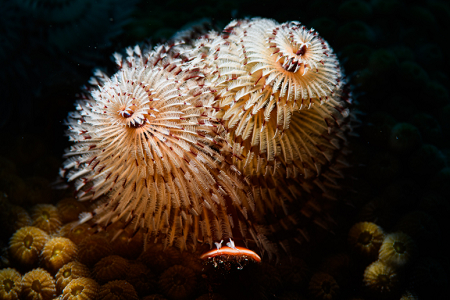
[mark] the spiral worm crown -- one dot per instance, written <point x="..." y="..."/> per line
<point x="145" y="139"/>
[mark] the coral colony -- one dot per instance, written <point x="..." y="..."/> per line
<point x="197" y="142"/>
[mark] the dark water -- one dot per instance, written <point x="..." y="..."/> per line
<point x="395" y="54"/>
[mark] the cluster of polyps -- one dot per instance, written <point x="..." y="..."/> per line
<point x="197" y="143"/>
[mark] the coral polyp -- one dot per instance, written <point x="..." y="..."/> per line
<point x="69" y="209"/>
<point x="69" y="272"/>
<point x="117" y="290"/>
<point x="178" y="282"/>
<point x="141" y="278"/>
<point x="76" y="232"/>
<point x="366" y="238"/>
<point x="381" y="278"/>
<point x="38" y="284"/>
<point x="46" y="217"/>
<point x="57" y="252"/>
<point x="92" y="249"/>
<point x="81" y="289"/>
<point x="110" y="268"/>
<point x="397" y="249"/>
<point x="323" y="286"/>
<point x="157" y="258"/>
<point x="26" y="245"/>
<point x="10" y="284"/>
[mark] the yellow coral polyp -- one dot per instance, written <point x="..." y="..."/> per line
<point x="366" y="238"/>
<point x="69" y="272"/>
<point x="380" y="277"/>
<point x="76" y="232"/>
<point x="323" y="286"/>
<point x="10" y="284"/>
<point x="81" y="289"/>
<point x="57" y="252"/>
<point x="26" y="245"/>
<point x="46" y="217"/>
<point x="397" y="249"/>
<point x="38" y="284"/>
